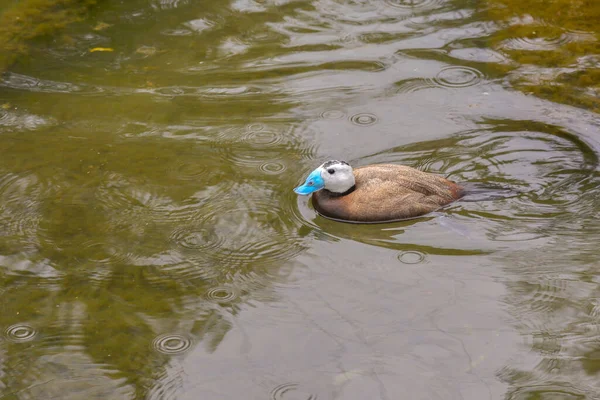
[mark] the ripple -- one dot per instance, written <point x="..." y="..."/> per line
<point x="415" y="4"/>
<point x="189" y="270"/>
<point x="541" y="297"/>
<point x="15" y="120"/>
<point x="332" y="114"/>
<point x="20" y="333"/>
<point x="458" y="77"/>
<point x="172" y="344"/>
<point x="519" y="236"/>
<point x="222" y="294"/>
<point x="176" y="32"/>
<point x="289" y="391"/>
<point x="540" y="43"/>
<point x="240" y="226"/>
<point x="170" y="91"/>
<point x="411" y="257"/>
<point x="97" y="253"/>
<point x="24" y="82"/>
<point x="422" y="87"/>
<point x="415" y="85"/>
<point x="272" y="167"/>
<point x="124" y="200"/>
<point x="191" y="239"/>
<point x="189" y="171"/>
<point x="245" y="158"/>
<point x="167" y="385"/>
<point x="363" y="119"/>
<point x="19" y="215"/>
<point x="255" y="127"/>
<point x="263" y="138"/>
<point x="533" y="391"/>
<point x="257" y="136"/>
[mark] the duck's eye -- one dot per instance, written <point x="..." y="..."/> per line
<point x="310" y="183"/>
<point x="331" y="171"/>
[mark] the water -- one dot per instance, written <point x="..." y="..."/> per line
<point x="152" y="248"/>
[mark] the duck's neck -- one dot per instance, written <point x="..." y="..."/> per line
<point x="338" y="194"/>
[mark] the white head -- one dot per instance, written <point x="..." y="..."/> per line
<point x="335" y="176"/>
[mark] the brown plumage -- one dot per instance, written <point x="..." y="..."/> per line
<point x="388" y="192"/>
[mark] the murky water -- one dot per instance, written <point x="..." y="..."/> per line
<point x="152" y="248"/>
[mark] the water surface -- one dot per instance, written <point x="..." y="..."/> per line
<point x="152" y="248"/>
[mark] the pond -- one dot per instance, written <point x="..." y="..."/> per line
<point x="151" y="246"/>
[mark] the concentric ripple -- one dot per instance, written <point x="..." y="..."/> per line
<point x="172" y="344"/>
<point x="253" y="137"/>
<point x="190" y="171"/>
<point x="544" y="43"/>
<point x="411" y="257"/>
<point x="332" y="114"/>
<point x="458" y="76"/>
<point x="256" y="127"/>
<point x="100" y="253"/>
<point x="272" y="167"/>
<point x="263" y="138"/>
<point x="222" y="294"/>
<point x="363" y="119"/>
<point x="535" y="44"/>
<point x="289" y="391"/>
<point x="20" y="333"/>
<point x="193" y="239"/>
<point x="240" y="226"/>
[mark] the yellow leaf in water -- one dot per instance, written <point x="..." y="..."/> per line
<point x="101" y="49"/>
<point x="101" y="26"/>
<point x="6" y="106"/>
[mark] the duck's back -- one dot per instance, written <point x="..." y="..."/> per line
<point x="388" y="192"/>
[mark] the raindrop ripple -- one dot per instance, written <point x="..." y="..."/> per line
<point x="222" y="294"/>
<point x="411" y="257"/>
<point x="363" y="119"/>
<point x="20" y="333"/>
<point x="458" y="77"/>
<point x="171" y="344"/>
<point x="291" y="390"/>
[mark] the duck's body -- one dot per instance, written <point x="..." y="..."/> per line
<point x="377" y="193"/>
<point x="388" y="192"/>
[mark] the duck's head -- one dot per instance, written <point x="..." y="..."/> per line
<point x="335" y="176"/>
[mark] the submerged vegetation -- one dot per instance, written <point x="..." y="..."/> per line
<point x="556" y="45"/>
<point x="27" y="21"/>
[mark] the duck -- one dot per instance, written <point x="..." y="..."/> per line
<point x="376" y="193"/>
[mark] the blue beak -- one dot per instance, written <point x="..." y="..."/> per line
<point x="313" y="183"/>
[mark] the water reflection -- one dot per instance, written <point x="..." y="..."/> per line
<point x="151" y="246"/>
<point x="142" y="237"/>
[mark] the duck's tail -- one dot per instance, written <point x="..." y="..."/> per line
<point x="476" y="191"/>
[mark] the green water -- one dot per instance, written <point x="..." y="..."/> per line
<point x="151" y="246"/>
